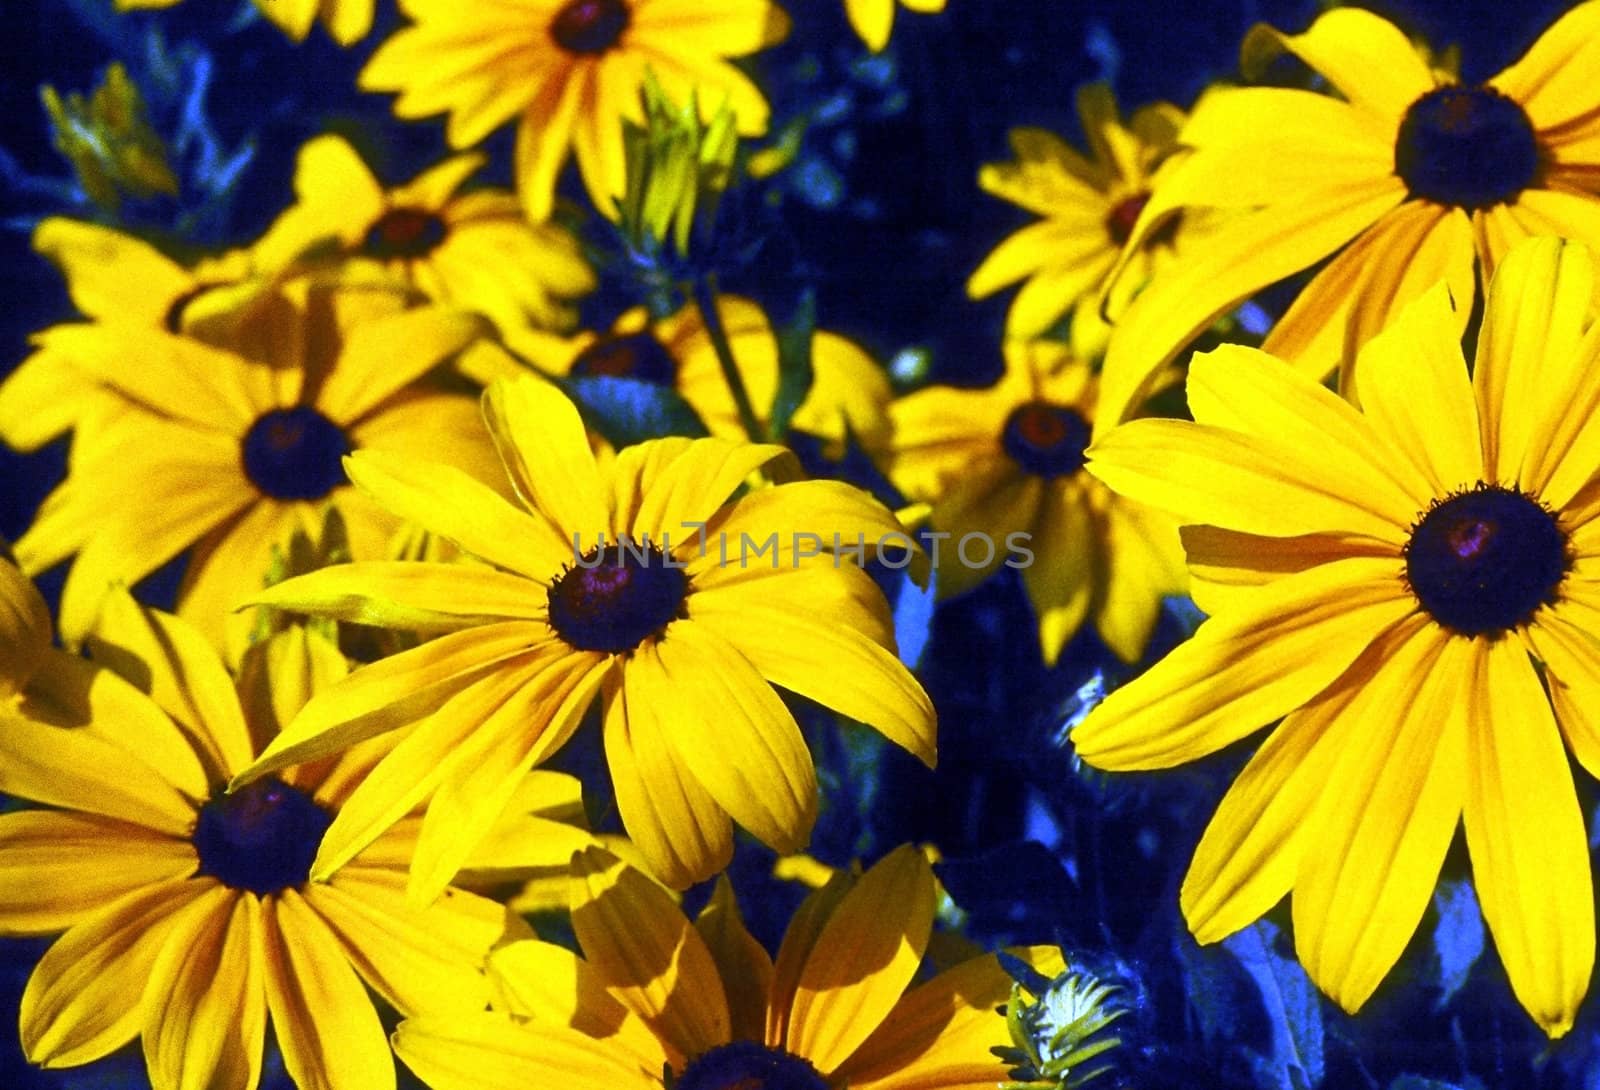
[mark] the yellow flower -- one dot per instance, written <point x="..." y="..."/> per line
<point x="474" y="250"/>
<point x="1090" y="206"/>
<point x="657" y="1001"/>
<point x="112" y="277"/>
<point x="573" y="70"/>
<point x="1405" y="181"/>
<point x="1007" y="460"/>
<point x="849" y="395"/>
<point x="225" y="448"/>
<point x="346" y="21"/>
<point x="874" y="19"/>
<point x="1413" y="588"/>
<point x="683" y="632"/>
<point x="187" y="912"/>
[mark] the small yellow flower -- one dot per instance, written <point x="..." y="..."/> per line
<point x="682" y="631"/>
<point x="848" y="398"/>
<point x="1406" y="179"/>
<point x="1090" y="206"/>
<point x="473" y="250"/>
<point x="1411" y="588"/>
<point x="658" y="1001"/>
<point x="226" y="447"/>
<point x="1008" y="460"/>
<point x="873" y="20"/>
<point x="572" y="70"/>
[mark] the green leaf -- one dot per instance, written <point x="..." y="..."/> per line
<point x="795" y="373"/>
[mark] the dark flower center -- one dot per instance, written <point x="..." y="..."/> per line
<point x="403" y="233"/>
<point x="749" y="1065"/>
<point x="628" y="355"/>
<point x="1470" y="147"/>
<point x="1046" y="440"/>
<point x="262" y="837"/>
<point x="589" y="26"/>
<point x="616" y="596"/>
<point x="1481" y="562"/>
<point x="1120" y="220"/>
<point x="295" y="454"/>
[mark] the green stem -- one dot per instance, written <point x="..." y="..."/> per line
<point x="704" y="290"/>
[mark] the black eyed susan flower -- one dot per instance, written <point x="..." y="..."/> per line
<point x="602" y="581"/>
<point x="346" y="21"/>
<point x="473" y="250"/>
<point x="1090" y="205"/>
<point x="572" y="70"/>
<point x="848" y="398"/>
<point x="873" y="20"/>
<point x="1008" y="460"/>
<point x="227" y="447"/>
<point x="1406" y="180"/>
<point x="189" y="919"/>
<point x="657" y="1001"/>
<point x="1413" y="588"/>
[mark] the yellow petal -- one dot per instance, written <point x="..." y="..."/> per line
<point x="799" y="939"/>
<point x="732" y="732"/>
<point x="1387" y="815"/>
<point x="545" y="448"/>
<point x="82" y="1001"/>
<point x="112" y="276"/>
<point x="1416" y="393"/>
<point x="44" y="396"/>
<point x="1244" y="669"/>
<point x="59" y="868"/>
<point x="863" y="959"/>
<point x="1366" y="57"/>
<point x="421" y="596"/>
<point x="1251" y="251"/>
<point x="1525" y="834"/>
<point x="420" y="960"/>
<point x="205" y="1006"/>
<point x="490" y="1052"/>
<point x="279" y="674"/>
<point x="381" y="356"/>
<point x="676" y="824"/>
<point x="785" y="523"/>
<point x="1228" y="570"/>
<point x="636" y="937"/>
<point x="543" y="138"/>
<point x="1060" y="581"/>
<point x="1548" y="80"/>
<point x="24" y="628"/>
<point x="683" y="492"/>
<point x="1571" y="659"/>
<point x="742" y="962"/>
<point x="324" y="1022"/>
<point x="1144" y="562"/>
<point x="1211" y="475"/>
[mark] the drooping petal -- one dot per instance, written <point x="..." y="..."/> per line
<point x="1525" y="834"/>
<point x="652" y="959"/>
<point x="205" y="1003"/>
<point x="1061" y="580"/>
<point x="742" y="962"/>
<point x="863" y="959"/>
<point x="1366" y="57"/>
<point x="1221" y="685"/>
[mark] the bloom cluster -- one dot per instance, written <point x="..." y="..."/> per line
<point x="510" y="622"/>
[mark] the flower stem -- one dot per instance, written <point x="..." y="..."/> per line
<point x="703" y="288"/>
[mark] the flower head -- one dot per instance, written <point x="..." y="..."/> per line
<point x="1009" y="460"/>
<point x="635" y="580"/>
<point x="657" y="1001"/>
<point x="1407" y="179"/>
<point x="572" y="70"/>
<point x="188" y="913"/>
<point x="1411" y="586"/>
<point x="226" y="445"/>
<point x="473" y="250"/>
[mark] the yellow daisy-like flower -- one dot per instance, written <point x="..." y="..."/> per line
<point x="1413" y="587"/>
<point x="849" y="394"/>
<point x="873" y="20"/>
<point x="1090" y="206"/>
<point x="187" y="912"/>
<point x="1406" y="180"/>
<point x="474" y="249"/>
<point x="683" y="630"/>
<point x="572" y="69"/>
<point x="346" y="21"/>
<point x="1007" y="461"/>
<point x="117" y="278"/>
<point x="227" y="448"/>
<point x="658" y="1001"/>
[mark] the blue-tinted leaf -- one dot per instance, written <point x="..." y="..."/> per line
<point x="1457" y="938"/>
<point x="795" y="373"/>
<point x="628" y="410"/>
<point x="1293" y="1006"/>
